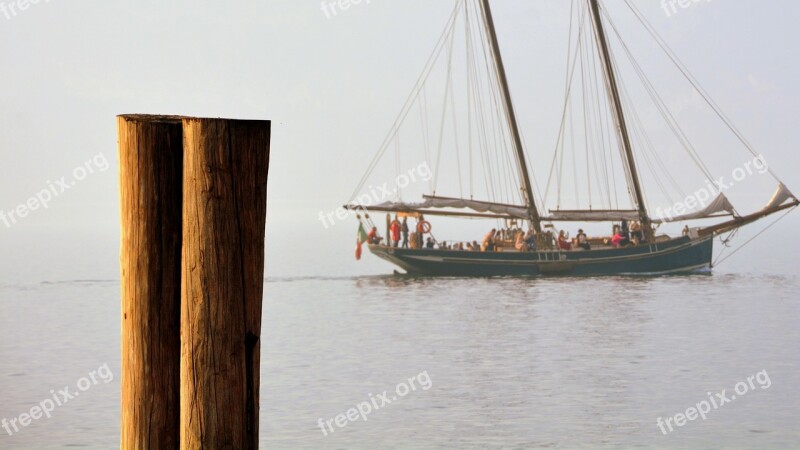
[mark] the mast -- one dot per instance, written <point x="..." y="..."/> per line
<point x="533" y="212"/>
<point x="619" y="115"/>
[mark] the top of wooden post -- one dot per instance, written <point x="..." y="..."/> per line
<point x="177" y="118"/>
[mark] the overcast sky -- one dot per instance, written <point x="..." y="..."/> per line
<point x="333" y="83"/>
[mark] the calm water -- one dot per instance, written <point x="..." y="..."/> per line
<point x="512" y="363"/>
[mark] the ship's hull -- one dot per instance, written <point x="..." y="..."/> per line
<point x="679" y="255"/>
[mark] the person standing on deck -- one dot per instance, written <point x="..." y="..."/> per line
<point x="583" y="241"/>
<point x="619" y="240"/>
<point x="420" y="229"/>
<point x="563" y="242"/>
<point x="404" y="230"/>
<point x="488" y="241"/>
<point x="519" y="244"/>
<point x="530" y="240"/>
<point x="394" y="228"/>
<point x="636" y="231"/>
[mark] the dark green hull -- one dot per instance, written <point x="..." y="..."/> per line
<point x="679" y="255"/>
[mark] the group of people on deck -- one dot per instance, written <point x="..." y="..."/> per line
<point x="624" y="234"/>
<point x="580" y="241"/>
<point x="522" y="241"/>
<point x="396" y="229"/>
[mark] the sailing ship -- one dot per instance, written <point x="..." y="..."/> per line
<point x="655" y="253"/>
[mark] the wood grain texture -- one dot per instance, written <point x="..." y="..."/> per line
<point x="150" y="166"/>
<point x="224" y="216"/>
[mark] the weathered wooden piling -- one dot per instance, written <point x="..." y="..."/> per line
<point x="150" y="172"/>
<point x="193" y="195"/>
<point x="224" y="217"/>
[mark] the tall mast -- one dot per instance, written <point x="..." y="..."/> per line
<point x="533" y="213"/>
<point x="619" y="115"/>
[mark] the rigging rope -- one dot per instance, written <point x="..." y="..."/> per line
<point x="455" y="142"/>
<point x="556" y="165"/>
<point x="470" y="56"/>
<point x="398" y="193"/>
<point x="625" y="162"/>
<point x="584" y="59"/>
<point x="423" y="115"/>
<point x="600" y="130"/>
<point x="479" y="102"/>
<point x="447" y="92"/>
<point x="754" y="237"/>
<point x="695" y="83"/>
<point x="410" y="99"/>
<point x="661" y="106"/>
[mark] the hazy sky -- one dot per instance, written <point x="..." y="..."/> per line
<point x="332" y="84"/>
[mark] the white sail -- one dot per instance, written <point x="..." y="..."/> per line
<point x="518" y="212"/>
<point x="593" y="216"/>
<point x="781" y="195"/>
<point x="721" y="204"/>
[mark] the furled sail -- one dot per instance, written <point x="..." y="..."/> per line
<point x="720" y="205"/>
<point x="592" y="215"/>
<point x="519" y="212"/>
<point x="779" y="197"/>
<point x="430" y="202"/>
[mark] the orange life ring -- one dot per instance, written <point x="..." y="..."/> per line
<point x="425" y="227"/>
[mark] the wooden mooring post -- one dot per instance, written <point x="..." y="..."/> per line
<point x="223" y="191"/>
<point x="151" y="184"/>
<point x="224" y="213"/>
